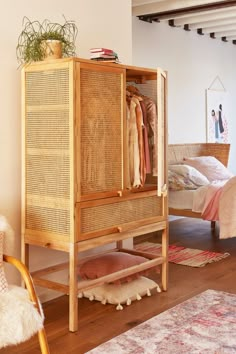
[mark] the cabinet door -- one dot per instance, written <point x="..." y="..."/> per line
<point x="47" y="186"/>
<point x="100" y="125"/>
<point x="161" y="133"/>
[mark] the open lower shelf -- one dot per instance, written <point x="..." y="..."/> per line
<point x="152" y="262"/>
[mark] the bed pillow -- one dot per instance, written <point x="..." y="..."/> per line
<point x="110" y="263"/>
<point x="210" y="167"/>
<point x="3" y="281"/>
<point x="177" y="182"/>
<point x="121" y="293"/>
<point x="190" y="172"/>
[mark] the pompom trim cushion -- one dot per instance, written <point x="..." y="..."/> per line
<point x="118" y="294"/>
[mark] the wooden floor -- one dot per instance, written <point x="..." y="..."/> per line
<point x="99" y="323"/>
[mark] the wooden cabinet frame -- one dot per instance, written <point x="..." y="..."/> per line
<point x="55" y="212"/>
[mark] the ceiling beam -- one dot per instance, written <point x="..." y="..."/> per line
<point x="187" y="10"/>
<point x="216" y="22"/>
<point x="232" y="37"/>
<point x="149" y="7"/>
<point x="210" y="16"/>
<point x="225" y="34"/>
<point x="216" y="29"/>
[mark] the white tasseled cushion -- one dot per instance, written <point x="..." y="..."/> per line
<point x="125" y="293"/>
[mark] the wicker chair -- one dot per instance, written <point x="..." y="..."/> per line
<point x="20" y="311"/>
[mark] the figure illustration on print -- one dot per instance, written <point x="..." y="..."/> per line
<point x="217" y="122"/>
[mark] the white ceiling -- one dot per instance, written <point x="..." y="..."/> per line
<point x="213" y="18"/>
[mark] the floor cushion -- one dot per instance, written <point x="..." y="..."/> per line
<point x="118" y="294"/>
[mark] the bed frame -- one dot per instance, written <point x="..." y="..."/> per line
<point x="177" y="152"/>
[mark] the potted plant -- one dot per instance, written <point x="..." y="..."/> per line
<point x="39" y="40"/>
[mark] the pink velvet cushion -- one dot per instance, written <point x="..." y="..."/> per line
<point x="109" y="263"/>
<point x="210" y="167"/>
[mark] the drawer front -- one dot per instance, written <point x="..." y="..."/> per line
<point x="102" y="219"/>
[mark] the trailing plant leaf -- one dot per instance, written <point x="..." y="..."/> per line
<point x="29" y="47"/>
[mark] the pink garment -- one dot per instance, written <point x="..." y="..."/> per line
<point x="152" y="129"/>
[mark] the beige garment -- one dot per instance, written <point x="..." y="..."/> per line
<point x="140" y="126"/>
<point x="127" y="150"/>
<point x="133" y="147"/>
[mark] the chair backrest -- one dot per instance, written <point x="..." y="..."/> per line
<point x="3" y="281"/>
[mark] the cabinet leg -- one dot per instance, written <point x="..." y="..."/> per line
<point x="73" y="298"/>
<point x="119" y="244"/>
<point x="164" y="268"/>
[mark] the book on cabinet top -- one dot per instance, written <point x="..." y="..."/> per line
<point x="105" y="50"/>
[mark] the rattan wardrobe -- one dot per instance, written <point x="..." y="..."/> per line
<point x="74" y="195"/>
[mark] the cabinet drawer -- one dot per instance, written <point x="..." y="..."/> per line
<point x="116" y="215"/>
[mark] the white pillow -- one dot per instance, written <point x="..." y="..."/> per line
<point x="190" y="172"/>
<point x="210" y="167"/>
<point x="118" y="294"/>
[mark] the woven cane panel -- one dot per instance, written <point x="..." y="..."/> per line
<point x="101" y="132"/>
<point x="48" y="129"/>
<point x="48" y="175"/>
<point x="112" y="215"/>
<point x="49" y="87"/>
<point x="48" y="219"/>
<point x="47" y="160"/>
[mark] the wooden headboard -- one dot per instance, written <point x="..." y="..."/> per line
<point x="176" y="152"/>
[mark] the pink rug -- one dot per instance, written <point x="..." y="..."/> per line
<point x="204" y="324"/>
<point x="182" y="255"/>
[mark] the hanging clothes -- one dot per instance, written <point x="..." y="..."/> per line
<point x="141" y="137"/>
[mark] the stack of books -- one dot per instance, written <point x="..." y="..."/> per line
<point x="104" y="54"/>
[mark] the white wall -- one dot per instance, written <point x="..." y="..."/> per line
<point x="104" y="23"/>
<point x="192" y="62"/>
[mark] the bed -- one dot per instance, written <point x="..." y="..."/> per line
<point x="181" y="202"/>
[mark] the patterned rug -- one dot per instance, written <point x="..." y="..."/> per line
<point x="204" y="324"/>
<point x="184" y="256"/>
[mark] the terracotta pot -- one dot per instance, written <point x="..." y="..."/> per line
<point x="52" y="49"/>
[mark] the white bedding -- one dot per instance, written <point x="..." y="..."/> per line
<point x="181" y="199"/>
<point x="188" y="199"/>
<point x="216" y="202"/>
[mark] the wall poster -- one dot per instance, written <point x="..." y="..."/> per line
<point x="217" y="116"/>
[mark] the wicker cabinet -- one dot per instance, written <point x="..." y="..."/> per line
<point x="75" y="180"/>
